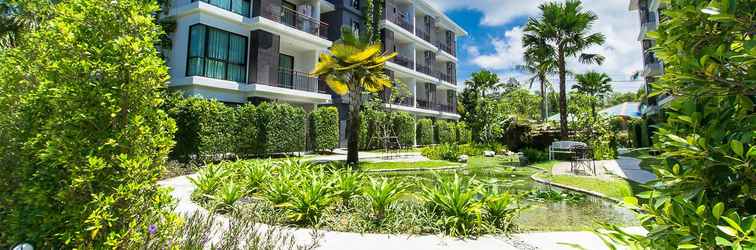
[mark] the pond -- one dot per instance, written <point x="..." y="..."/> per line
<point x="579" y="213"/>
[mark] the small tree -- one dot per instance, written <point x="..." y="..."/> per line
<point x="563" y="28"/>
<point x="354" y="65"/>
<point x="594" y="84"/>
<point x="84" y="139"/>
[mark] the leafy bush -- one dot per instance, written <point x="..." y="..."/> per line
<point x="224" y="199"/>
<point x="206" y="129"/>
<point x="448" y="152"/>
<point x="501" y="211"/>
<point x="464" y="135"/>
<point x="310" y="197"/>
<point x="535" y="155"/>
<point x="704" y="195"/>
<point x="404" y="127"/>
<point x="83" y="136"/>
<point x="348" y="184"/>
<point x="382" y="194"/>
<point x="455" y="202"/>
<point x="281" y="128"/>
<point x="208" y="180"/>
<point x="254" y="175"/>
<point x="446" y="132"/>
<point x="247" y="135"/>
<point x="424" y="132"/>
<point x="325" y="123"/>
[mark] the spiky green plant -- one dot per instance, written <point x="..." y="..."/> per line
<point x="224" y="199"/>
<point x="382" y="193"/>
<point x="254" y="174"/>
<point x="501" y="210"/>
<point x="348" y="184"/>
<point x="278" y="190"/>
<point x="455" y="202"/>
<point x="309" y="199"/>
<point x="208" y="180"/>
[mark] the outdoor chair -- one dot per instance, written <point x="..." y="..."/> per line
<point x="563" y="147"/>
<point x="581" y="158"/>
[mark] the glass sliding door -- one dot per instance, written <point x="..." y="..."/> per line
<point x="286" y="71"/>
<point x="215" y="53"/>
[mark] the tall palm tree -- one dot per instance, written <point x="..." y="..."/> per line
<point x="564" y="26"/>
<point x="539" y="61"/>
<point x="594" y="84"/>
<point x="483" y="81"/>
<point x="354" y="65"/>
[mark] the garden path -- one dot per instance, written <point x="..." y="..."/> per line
<point x="341" y="155"/>
<point x="625" y="167"/>
<point x="183" y="188"/>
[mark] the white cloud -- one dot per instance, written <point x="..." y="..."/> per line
<point x="620" y="26"/>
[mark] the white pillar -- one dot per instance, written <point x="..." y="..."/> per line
<point x="316" y="9"/>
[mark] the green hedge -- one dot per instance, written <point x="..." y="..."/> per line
<point x="446" y="132"/>
<point x="206" y="129"/>
<point x="325" y="128"/>
<point x="404" y="127"/>
<point x="424" y="132"/>
<point x="464" y="135"/>
<point x="247" y="130"/>
<point x="281" y="128"/>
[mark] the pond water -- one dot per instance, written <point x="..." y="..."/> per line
<point x="543" y="214"/>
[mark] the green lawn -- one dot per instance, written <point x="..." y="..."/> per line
<point x="616" y="188"/>
<point x="406" y="165"/>
<point x="490" y="162"/>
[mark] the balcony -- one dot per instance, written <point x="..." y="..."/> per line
<point x="446" y="47"/>
<point x="290" y="79"/>
<point x="302" y="22"/>
<point x="424" y="35"/>
<point x="423" y="104"/>
<point x="647" y="26"/>
<point x="446" y="108"/>
<point x="406" y="62"/>
<point x="425" y="69"/>
<point x="401" y="19"/>
<point x="443" y="76"/>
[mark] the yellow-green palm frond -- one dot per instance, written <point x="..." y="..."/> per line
<point x="365" y="54"/>
<point x="325" y="65"/>
<point x="337" y="85"/>
<point x="350" y="66"/>
<point x="343" y="51"/>
<point x="369" y="86"/>
<point x="376" y="82"/>
<point x="383" y="59"/>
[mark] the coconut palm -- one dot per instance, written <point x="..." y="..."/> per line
<point x="539" y="61"/>
<point x="354" y="65"/>
<point x="594" y="84"/>
<point x="564" y="26"/>
<point x="483" y="81"/>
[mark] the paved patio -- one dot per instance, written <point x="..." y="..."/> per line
<point x="625" y="167"/>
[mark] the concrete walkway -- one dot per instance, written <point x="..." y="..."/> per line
<point x="182" y="190"/>
<point x="341" y="155"/>
<point x="624" y="167"/>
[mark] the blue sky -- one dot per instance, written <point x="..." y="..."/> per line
<point x="495" y="31"/>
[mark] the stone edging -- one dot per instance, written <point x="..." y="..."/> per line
<point x="413" y="169"/>
<point x="576" y="189"/>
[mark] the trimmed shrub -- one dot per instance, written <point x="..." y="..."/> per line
<point x="84" y="138"/>
<point x="464" y="135"/>
<point x="206" y="129"/>
<point x="281" y="128"/>
<point x="404" y="127"/>
<point x="247" y="130"/>
<point x="535" y="155"/>
<point x="446" y="132"/>
<point x="424" y="132"/>
<point x="325" y="128"/>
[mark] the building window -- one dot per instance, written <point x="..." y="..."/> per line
<point x="286" y="70"/>
<point x="216" y="54"/>
<point x="240" y="7"/>
<point x="356" y="4"/>
<point x="356" y="27"/>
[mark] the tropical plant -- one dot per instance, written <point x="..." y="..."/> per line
<point x="382" y="193"/>
<point x="224" y="199"/>
<point x="500" y="211"/>
<point x="309" y="199"/>
<point x="704" y="195"/>
<point x="478" y="104"/>
<point x="348" y="185"/>
<point x="563" y="28"/>
<point x="539" y="61"/>
<point x="278" y="191"/>
<point x="354" y="65"/>
<point x="21" y="17"/>
<point x="593" y="84"/>
<point x="455" y="202"/>
<point x="208" y="180"/>
<point x="254" y="175"/>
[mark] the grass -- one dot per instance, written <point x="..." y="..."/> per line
<point x="613" y="187"/>
<point x="406" y="165"/>
<point x="492" y="162"/>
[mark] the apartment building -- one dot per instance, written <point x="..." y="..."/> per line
<point x="240" y="51"/>
<point x="650" y="13"/>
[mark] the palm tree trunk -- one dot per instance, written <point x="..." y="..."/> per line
<point x="353" y="123"/>
<point x="543" y="99"/>
<point x="562" y="96"/>
<point x="593" y="110"/>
